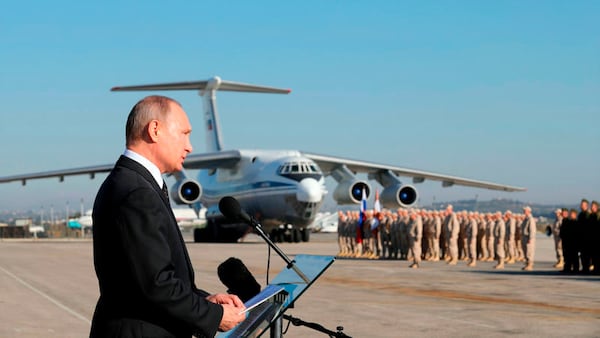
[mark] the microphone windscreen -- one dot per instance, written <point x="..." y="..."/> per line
<point x="230" y="207"/>
<point x="238" y="279"/>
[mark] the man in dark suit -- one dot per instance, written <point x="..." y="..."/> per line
<point x="144" y="272"/>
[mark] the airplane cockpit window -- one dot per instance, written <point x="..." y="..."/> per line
<point x="299" y="170"/>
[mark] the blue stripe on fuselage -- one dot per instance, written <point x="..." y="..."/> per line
<point x="246" y="187"/>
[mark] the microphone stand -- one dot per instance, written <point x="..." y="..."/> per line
<point x="317" y="327"/>
<point x="290" y="263"/>
<point x="277" y="325"/>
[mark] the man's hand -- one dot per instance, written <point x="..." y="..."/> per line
<point x="223" y="298"/>
<point x="232" y="316"/>
<point x="232" y="308"/>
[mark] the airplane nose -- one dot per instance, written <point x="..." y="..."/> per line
<point x="309" y="190"/>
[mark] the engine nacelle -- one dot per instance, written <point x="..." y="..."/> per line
<point x="350" y="191"/>
<point x="186" y="191"/>
<point x="398" y="195"/>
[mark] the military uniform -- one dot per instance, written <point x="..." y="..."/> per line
<point x="528" y="232"/>
<point x="415" y="233"/>
<point x="341" y="228"/>
<point x="385" y="234"/>
<point x="452" y="230"/>
<point x="471" y="233"/>
<point x="489" y="237"/>
<point x="394" y="243"/>
<point x="481" y="242"/>
<point x="499" y="235"/>
<point x="437" y="226"/>
<point x="518" y="239"/>
<point x="404" y="235"/>
<point x="557" y="241"/>
<point x="463" y="220"/>
<point x="511" y="228"/>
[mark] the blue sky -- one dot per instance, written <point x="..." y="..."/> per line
<point x="500" y="91"/>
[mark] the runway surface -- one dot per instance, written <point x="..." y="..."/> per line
<point x="48" y="288"/>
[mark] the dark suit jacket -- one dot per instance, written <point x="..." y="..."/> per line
<point x="144" y="272"/>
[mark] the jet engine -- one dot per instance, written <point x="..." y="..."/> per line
<point x="350" y="191"/>
<point x="398" y="195"/>
<point x="186" y="191"/>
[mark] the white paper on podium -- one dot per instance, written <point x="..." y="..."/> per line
<point x="268" y="292"/>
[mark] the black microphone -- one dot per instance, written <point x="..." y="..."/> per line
<point x="238" y="279"/>
<point x="231" y="209"/>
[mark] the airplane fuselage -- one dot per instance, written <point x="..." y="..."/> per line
<point x="274" y="187"/>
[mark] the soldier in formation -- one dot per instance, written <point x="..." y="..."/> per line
<point x="433" y="235"/>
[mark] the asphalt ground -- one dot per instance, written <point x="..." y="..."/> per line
<point x="48" y="289"/>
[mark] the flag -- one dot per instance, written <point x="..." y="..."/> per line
<point x="377" y="210"/>
<point x="377" y="205"/>
<point x="363" y="208"/>
<point x="361" y="218"/>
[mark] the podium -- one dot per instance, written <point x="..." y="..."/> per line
<point x="285" y="289"/>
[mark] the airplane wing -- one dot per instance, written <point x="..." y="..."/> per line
<point x="330" y="163"/>
<point x="222" y="159"/>
<point x="92" y="171"/>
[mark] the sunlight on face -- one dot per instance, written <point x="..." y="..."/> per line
<point x="175" y="143"/>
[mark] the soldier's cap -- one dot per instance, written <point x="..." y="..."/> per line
<point x="508" y="212"/>
<point x="527" y="208"/>
<point x="595" y="203"/>
<point x="584" y="200"/>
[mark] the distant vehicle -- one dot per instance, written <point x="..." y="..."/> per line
<point x="277" y="187"/>
<point x="37" y="231"/>
<point x="325" y="222"/>
<point x="188" y="217"/>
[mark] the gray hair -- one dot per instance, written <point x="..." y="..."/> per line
<point x="154" y="107"/>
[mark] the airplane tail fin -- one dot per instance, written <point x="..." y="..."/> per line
<point x="208" y="89"/>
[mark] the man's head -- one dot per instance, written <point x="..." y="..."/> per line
<point x="584" y="204"/>
<point x="573" y="214"/>
<point x="527" y="210"/>
<point x="158" y="129"/>
<point x="594" y="207"/>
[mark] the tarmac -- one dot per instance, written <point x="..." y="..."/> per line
<point x="48" y="288"/>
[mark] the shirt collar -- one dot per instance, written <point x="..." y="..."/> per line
<point x="151" y="167"/>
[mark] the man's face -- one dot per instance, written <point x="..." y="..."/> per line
<point x="175" y="140"/>
<point x="584" y="206"/>
<point x="594" y="208"/>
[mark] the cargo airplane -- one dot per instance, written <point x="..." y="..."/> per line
<point x="277" y="187"/>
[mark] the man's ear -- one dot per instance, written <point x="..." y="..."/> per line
<point x="153" y="130"/>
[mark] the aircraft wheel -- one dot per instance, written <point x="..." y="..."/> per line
<point x="296" y="235"/>
<point x="286" y="235"/>
<point x="305" y="235"/>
